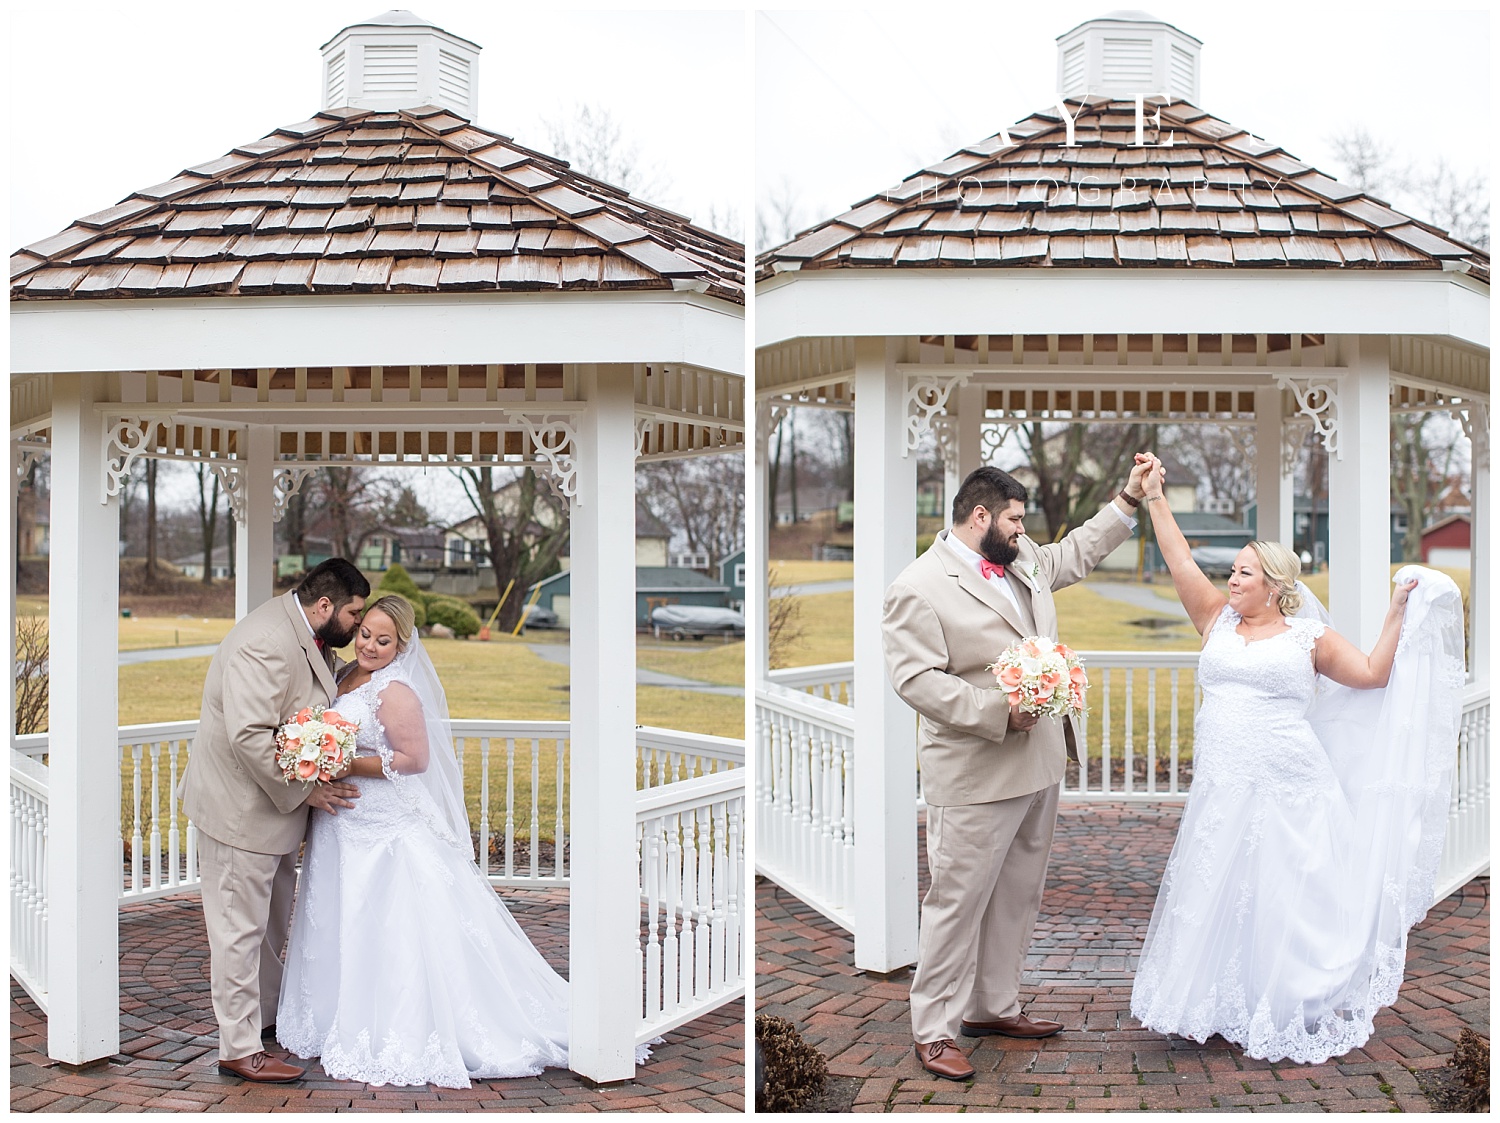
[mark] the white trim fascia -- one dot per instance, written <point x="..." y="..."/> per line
<point x="357" y="329"/>
<point x="827" y="303"/>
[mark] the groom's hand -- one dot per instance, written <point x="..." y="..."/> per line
<point x="1135" y="487"/>
<point x="331" y="796"/>
<point x="1021" y="722"/>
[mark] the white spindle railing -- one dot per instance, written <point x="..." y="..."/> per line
<point x="28" y="875"/>
<point x="1466" y="850"/>
<point x="804" y="784"/>
<point x="527" y="811"/>
<point x="833" y="682"/>
<point x="667" y="756"/>
<point x="1141" y="707"/>
<point x="690" y="842"/>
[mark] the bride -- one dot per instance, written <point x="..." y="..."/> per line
<point x="1310" y="841"/>
<point x="403" y="967"/>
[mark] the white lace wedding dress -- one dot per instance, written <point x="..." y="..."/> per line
<point x="403" y="967"/>
<point x="1310" y="840"/>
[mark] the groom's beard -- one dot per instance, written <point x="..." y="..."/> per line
<point x="997" y="549"/>
<point x="333" y="636"/>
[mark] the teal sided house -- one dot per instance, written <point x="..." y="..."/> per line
<point x="732" y="577"/>
<point x="654" y="586"/>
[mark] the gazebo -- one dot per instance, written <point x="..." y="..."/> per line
<point x="383" y="284"/>
<point x="1123" y="256"/>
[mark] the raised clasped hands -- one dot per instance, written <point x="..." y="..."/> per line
<point x="1153" y="474"/>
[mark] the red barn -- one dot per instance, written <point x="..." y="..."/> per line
<point x="1446" y="542"/>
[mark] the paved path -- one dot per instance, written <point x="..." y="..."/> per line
<point x="812" y="589"/>
<point x="159" y="654"/>
<point x="169" y="1042"/>
<point x="562" y="653"/>
<point x="1140" y="597"/>
<point x="1106" y="866"/>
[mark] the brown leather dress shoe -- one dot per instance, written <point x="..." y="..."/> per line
<point x="1019" y="1026"/>
<point x="943" y="1058"/>
<point x="262" y="1069"/>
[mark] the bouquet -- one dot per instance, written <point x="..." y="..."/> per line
<point x="314" y="744"/>
<point x="1042" y="676"/>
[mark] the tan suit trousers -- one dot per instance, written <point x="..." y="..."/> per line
<point x="247" y="908"/>
<point x="988" y="863"/>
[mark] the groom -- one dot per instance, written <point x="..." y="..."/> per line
<point x="990" y="774"/>
<point x="250" y="822"/>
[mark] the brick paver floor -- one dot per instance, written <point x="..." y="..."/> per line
<point x="1106" y="864"/>
<point x="169" y="1046"/>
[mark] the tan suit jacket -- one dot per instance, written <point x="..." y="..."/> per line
<point x="944" y="624"/>
<point x="267" y="668"/>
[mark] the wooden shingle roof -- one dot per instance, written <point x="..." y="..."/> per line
<point x="352" y="200"/>
<point x="1216" y="197"/>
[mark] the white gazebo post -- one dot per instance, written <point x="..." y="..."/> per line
<point x="255" y="547"/>
<point x="966" y="424"/>
<point x="768" y="417"/>
<point x="1477" y="417"/>
<point x="1273" y="477"/>
<point x="83" y="849"/>
<point x="605" y="903"/>
<point x="885" y="750"/>
<point x="1359" y="515"/>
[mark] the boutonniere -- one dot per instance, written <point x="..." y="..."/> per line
<point x="1036" y="572"/>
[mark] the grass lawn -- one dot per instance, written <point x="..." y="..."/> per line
<point x="722" y="664"/>
<point x="137" y="633"/>
<point x="807" y="572"/>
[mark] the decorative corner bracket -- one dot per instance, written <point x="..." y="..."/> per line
<point x="554" y="438"/>
<point x="1318" y="400"/>
<point x="126" y="440"/>
<point x="768" y="418"/>
<point x="926" y="398"/>
<point x="1475" y="418"/>
<point x="285" y="483"/>
<point x="231" y="475"/>
<point x="642" y="427"/>
<point x="993" y="435"/>
<point x="945" y="428"/>
<point x="1294" y="432"/>
<point x="24" y="454"/>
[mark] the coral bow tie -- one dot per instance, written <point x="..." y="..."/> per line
<point x="986" y="568"/>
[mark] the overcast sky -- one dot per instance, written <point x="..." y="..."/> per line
<point x="108" y="99"/>
<point x="849" y="103"/>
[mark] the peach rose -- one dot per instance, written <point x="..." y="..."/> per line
<point x="1051" y="679"/>
<point x="1065" y="651"/>
<point x="1044" y="693"/>
<point x="325" y="776"/>
<point x="307" y="769"/>
<point x="1077" y="676"/>
<point x="304" y="714"/>
<point x="1030" y="648"/>
<point x="1010" y="677"/>
<point x="332" y="716"/>
<point x="1014" y="699"/>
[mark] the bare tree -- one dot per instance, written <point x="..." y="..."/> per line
<point x="590" y="140"/>
<point x="783" y="621"/>
<point x="1424" y="455"/>
<point x="1079" y="468"/>
<point x="777" y="216"/>
<point x="152" y="572"/>
<point x="704" y="497"/>
<point x="1222" y="459"/>
<point x="1432" y="191"/>
<point x="525" y="525"/>
<point x="208" y="516"/>
<point x="31" y="675"/>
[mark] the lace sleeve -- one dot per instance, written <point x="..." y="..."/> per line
<point x="403" y="738"/>
<point x="1306" y="631"/>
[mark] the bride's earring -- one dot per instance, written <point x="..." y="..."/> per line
<point x="1270" y="598"/>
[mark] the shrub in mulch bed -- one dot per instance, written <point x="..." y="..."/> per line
<point x="794" y="1070"/>
<point x="1464" y="1085"/>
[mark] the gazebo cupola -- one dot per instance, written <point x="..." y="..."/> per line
<point x="399" y="61"/>
<point x="1125" y="54"/>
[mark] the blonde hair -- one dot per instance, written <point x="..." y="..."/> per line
<point x="398" y="611"/>
<point x="1282" y="568"/>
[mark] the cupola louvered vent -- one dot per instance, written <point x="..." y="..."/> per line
<point x="1126" y="55"/>
<point x="390" y="70"/>
<point x="400" y="61"/>
<point x="336" y="91"/>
